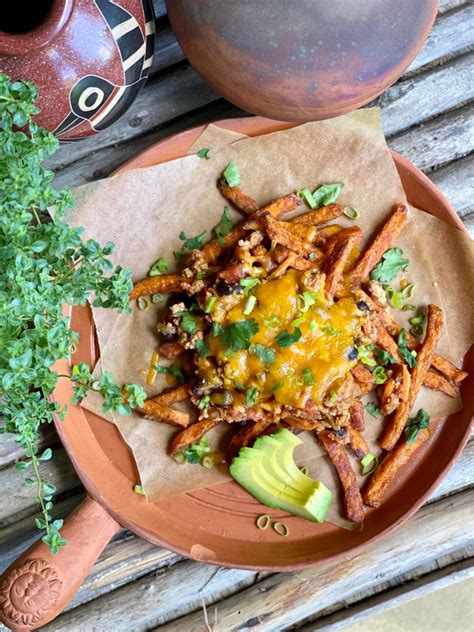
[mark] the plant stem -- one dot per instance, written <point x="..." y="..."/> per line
<point x="39" y="483"/>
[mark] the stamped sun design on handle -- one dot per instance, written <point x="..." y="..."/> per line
<point x="29" y="591"/>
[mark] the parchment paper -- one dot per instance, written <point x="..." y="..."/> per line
<point x="143" y="212"/>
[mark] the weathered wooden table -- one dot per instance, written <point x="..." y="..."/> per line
<point x="427" y="117"/>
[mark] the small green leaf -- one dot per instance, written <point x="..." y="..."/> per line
<point x="372" y="409"/>
<point x="285" y="338"/>
<point x="390" y="265"/>
<point x="224" y="226"/>
<point x="204" y="153"/>
<point x="232" y="175"/>
<point x="47" y="454"/>
<point x="251" y="395"/>
<point x="159" y="267"/>
<point x="327" y="194"/>
<point x="192" y="243"/>
<point x="264" y="354"/>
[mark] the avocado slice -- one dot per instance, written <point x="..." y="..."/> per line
<point x="269" y="473"/>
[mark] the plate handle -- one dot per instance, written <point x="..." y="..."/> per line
<point x="38" y="585"/>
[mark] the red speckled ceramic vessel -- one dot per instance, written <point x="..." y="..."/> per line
<point x="89" y="59"/>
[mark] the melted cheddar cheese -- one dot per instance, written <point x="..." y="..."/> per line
<point x="327" y="337"/>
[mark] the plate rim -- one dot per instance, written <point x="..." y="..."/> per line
<point x="80" y="452"/>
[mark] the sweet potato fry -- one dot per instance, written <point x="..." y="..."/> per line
<point x="382" y="242"/>
<point x="172" y="395"/>
<point x="282" y="205"/>
<point x="159" y="412"/>
<point x="171" y="350"/>
<point x="391" y="464"/>
<point x="212" y="250"/>
<point x="334" y="265"/>
<point x="160" y="284"/>
<point x="237" y="197"/>
<point x="437" y="382"/>
<point x="300" y="423"/>
<point x="356" y="412"/>
<point x="387" y="343"/>
<point x="233" y="273"/>
<point x="444" y="366"/>
<point x="191" y="434"/>
<point x="357" y="443"/>
<point x="363" y="377"/>
<point x="289" y="236"/>
<point x="319" y="215"/>
<point x="395" y="390"/>
<point x="247" y="435"/>
<point x="352" y="499"/>
<point x="425" y="354"/>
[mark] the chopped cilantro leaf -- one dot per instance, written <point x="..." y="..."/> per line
<point x="306" y="195"/>
<point x="332" y="331"/>
<point x="201" y="347"/>
<point x="188" y="322"/>
<point x="251" y="395"/>
<point x="404" y="351"/>
<point x="414" y="424"/>
<point x="216" y="329"/>
<point x="285" y="338"/>
<point x="195" y="452"/>
<point x="232" y="175"/>
<point x="237" y="335"/>
<point x="384" y="357"/>
<point x="391" y="264"/>
<point x="308" y="377"/>
<point x="327" y="194"/>
<point x="179" y="254"/>
<point x="204" y="153"/>
<point x="173" y="370"/>
<point x="264" y="354"/>
<point x="191" y="243"/>
<point x="224" y="226"/>
<point x="372" y="409"/>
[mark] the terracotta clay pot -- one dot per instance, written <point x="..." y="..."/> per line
<point x="89" y="59"/>
<point x="301" y="60"/>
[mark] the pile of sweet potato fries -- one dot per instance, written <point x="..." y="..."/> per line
<point x="263" y="244"/>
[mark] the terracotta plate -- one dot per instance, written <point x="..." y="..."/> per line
<point x="216" y="524"/>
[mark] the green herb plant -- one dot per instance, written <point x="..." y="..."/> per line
<point x="44" y="265"/>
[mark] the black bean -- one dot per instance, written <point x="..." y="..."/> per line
<point x="170" y="337"/>
<point x="352" y="353"/>
<point x="362" y="305"/>
<point x="225" y="289"/>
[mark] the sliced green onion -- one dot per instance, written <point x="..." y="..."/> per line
<point x="298" y="321"/>
<point x="307" y="196"/>
<point x="210" y="304"/>
<point x="180" y="457"/>
<point x="417" y="330"/>
<point x="277" y="386"/>
<point x="263" y="522"/>
<point x="312" y="256"/>
<point x="308" y="377"/>
<point x="159" y="267"/>
<point x="281" y="529"/>
<point x="272" y="323"/>
<point x="143" y="303"/>
<point x="351" y="212"/>
<point x="251" y="302"/>
<point x="409" y="308"/>
<point x="369" y="464"/>
<point x="248" y="284"/>
<point x="304" y="470"/>
<point x="304" y="301"/>
<point x="364" y="351"/>
<point x="157" y="298"/>
<point x="203" y="402"/>
<point x="408" y="290"/>
<point x="417" y="320"/>
<point x="313" y="325"/>
<point x="138" y="489"/>
<point x="332" y="396"/>
<point x="207" y="461"/>
<point x="380" y="377"/>
<point x="232" y="175"/>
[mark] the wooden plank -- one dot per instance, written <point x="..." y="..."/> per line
<point x="456" y="181"/>
<point x="159" y="7"/>
<point x="392" y="598"/>
<point x="11" y="451"/>
<point x="449" y="5"/>
<point x="438" y="142"/>
<point x="413" y="101"/>
<point x="451" y="35"/>
<point x="167" y="50"/>
<point x="17" y="497"/>
<point x="279" y="600"/>
<point x="94" y="166"/>
<point x="157" y="597"/>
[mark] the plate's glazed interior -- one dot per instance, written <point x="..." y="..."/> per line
<point x="217" y="524"/>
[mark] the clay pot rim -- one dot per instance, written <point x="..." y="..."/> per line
<point x="17" y="44"/>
